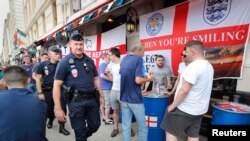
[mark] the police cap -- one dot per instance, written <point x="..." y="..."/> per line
<point x="55" y="49"/>
<point x="76" y="36"/>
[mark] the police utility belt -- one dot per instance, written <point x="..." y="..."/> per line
<point x="47" y="88"/>
<point x="82" y="95"/>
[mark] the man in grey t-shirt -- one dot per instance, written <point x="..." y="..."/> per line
<point x="162" y="74"/>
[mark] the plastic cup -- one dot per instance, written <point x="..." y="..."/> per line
<point x="236" y="98"/>
<point x="225" y="98"/>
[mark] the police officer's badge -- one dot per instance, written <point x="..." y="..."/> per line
<point x="154" y="24"/>
<point x="215" y="11"/>
<point x="46" y="70"/>
<point x="74" y="72"/>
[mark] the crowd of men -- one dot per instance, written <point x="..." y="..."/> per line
<point x="39" y="92"/>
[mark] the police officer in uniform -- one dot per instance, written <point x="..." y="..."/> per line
<point x="44" y="80"/>
<point x="77" y="71"/>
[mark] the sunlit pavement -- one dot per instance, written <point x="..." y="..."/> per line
<point x="103" y="134"/>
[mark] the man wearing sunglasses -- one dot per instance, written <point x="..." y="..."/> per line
<point x="192" y="95"/>
<point x="77" y="71"/>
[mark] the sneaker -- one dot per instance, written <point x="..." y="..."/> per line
<point x="132" y="133"/>
<point x="114" y="132"/>
<point x="108" y="122"/>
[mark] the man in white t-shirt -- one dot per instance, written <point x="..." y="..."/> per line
<point x="113" y="72"/>
<point x="181" y="69"/>
<point x="192" y="95"/>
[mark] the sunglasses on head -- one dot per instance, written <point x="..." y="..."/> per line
<point x="77" y="37"/>
<point x="184" y="55"/>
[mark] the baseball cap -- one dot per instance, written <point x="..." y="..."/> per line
<point x="76" y="36"/>
<point x="55" y="49"/>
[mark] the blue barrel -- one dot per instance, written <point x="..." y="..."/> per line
<point x="154" y="110"/>
<point x="229" y="113"/>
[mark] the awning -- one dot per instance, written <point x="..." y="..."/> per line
<point x="86" y="16"/>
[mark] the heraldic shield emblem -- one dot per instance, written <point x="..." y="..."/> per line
<point x="215" y="11"/>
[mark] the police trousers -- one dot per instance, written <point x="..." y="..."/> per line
<point x="50" y="104"/>
<point x="84" y="117"/>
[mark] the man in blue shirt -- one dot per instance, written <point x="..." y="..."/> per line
<point x="23" y="115"/>
<point x="77" y="71"/>
<point x="28" y="66"/>
<point x="106" y="83"/>
<point x="44" y="79"/>
<point x="131" y="79"/>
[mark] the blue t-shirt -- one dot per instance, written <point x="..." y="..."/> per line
<point x="29" y="69"/>
<point x="106" y="85"/>
<point x="79" y="75"/>
<point x="131" y="67"/>
<point x="1" y="74"/>
<point x="23" y="116"/>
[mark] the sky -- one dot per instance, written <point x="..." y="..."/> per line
<point x="4" y="9"/>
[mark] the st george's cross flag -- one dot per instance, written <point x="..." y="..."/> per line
<point x="222" y="25"/>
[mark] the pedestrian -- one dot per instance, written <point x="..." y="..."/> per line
<point x="28" y="66"/>
<point x="44" y="79"/>
<point x="131" y="97"/>
<point x="192" y="95"/>
<point x="78" y="73"/>
<point x="23" y="115"/>
<point x="106" y="83"/>
<point x="162" y="74"/>
<point x="181" y="69"/>
<point x="44" y="57"/>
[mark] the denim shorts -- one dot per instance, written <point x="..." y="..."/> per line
<point x="177" y="122"/>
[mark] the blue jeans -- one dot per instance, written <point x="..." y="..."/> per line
<point x="138" y="110"/>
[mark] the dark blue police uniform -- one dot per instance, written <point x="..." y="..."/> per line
<point x="79" y="74"/>
<point x="23" y="116"/>
<point x="47" y="70"/>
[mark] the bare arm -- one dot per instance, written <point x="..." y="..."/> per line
<point x="183" y="92"/>
<point x="57" y="100"/>
<point x="99" y="87"/>
<point x="140" y="80"/>
<point x="106" y="77"/>
<point x="38" y="79"/>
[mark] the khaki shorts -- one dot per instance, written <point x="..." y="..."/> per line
<point x="115" y="99"/>
<point x="106" y="94"/>
<point x="178" y="122"/>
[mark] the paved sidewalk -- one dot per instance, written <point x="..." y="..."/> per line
<point x="103" y="134"/>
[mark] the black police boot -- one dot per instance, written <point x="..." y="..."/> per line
<point x="50" y="123"/>
<point x="63" y="130"/>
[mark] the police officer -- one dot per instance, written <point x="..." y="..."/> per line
<point x="23" y="115"/>
<point x="77" y="70"/>
<point x="44" y="80"/>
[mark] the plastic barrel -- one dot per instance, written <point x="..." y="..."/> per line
<point x="154" y="110"/>
<point x="230" y="114"/>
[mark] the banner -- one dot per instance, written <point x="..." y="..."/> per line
<point x="222" y="25"/>
<point x="96" y="45"/>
